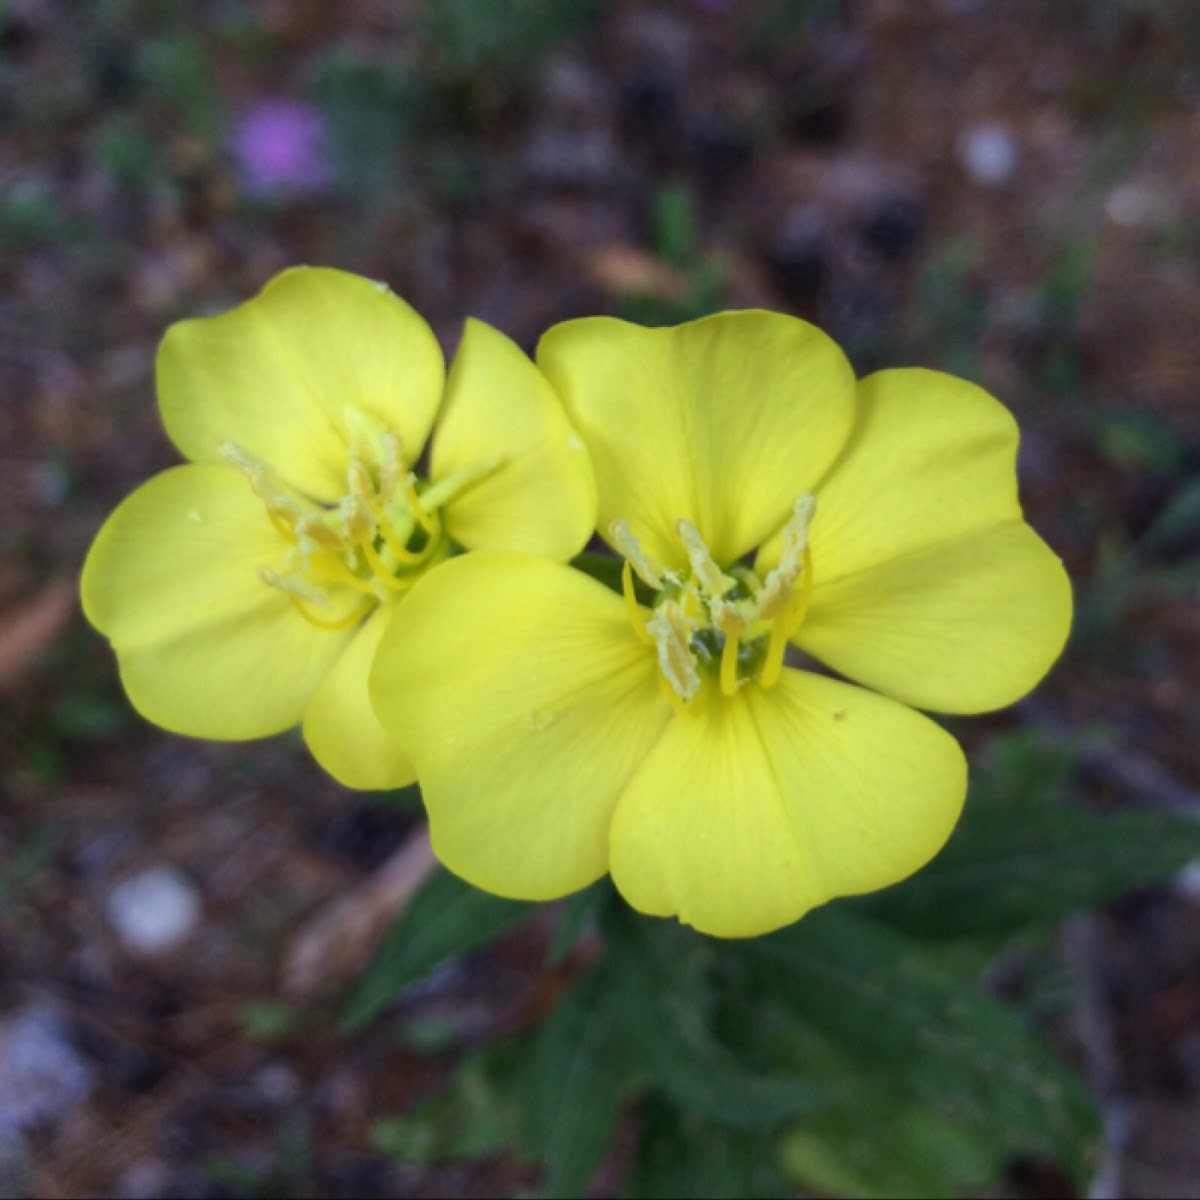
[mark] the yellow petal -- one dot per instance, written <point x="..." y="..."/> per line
<point x="204" y="646"/>
<point x="185" y="547"/>
<point x="960" y="627"/>
<point x="926" y="584"/>
<point x="722" y="422"/>
<point x="540" y="497"/>
<point x="931" y="458"/>
<point x="341" y="727"/>
<point x="525" y="701"/>
<point x="244" y="676"/>
<point x="759" y="808"/>
<point x="279" y="374"/>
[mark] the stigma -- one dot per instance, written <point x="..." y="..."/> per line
<point x="715" y="629"/>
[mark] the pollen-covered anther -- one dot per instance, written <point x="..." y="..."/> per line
<point x="672" y="630"/>
<point x="283" y="507"/>
<point x="650" y="572"/>
<point x="304" y="595"/>
<point x="714" y="583"/>
<point x="730" y="624"/>
<point x="373" y="542"/>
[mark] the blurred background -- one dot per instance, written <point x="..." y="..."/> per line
<point x="1008" y="191"/>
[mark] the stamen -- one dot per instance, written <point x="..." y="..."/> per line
<point x="423" y="518"/>
<point x="440" y="493"/>
<point x="799" y="608"/>
<point x="356" y="518"/>
<point x="729" y="654"/>
<point x="776" y="593"/>
<point x="337" y="570"/>
<point x="776" y="648"/>
<point x="288" y="531"/>
<point x="283" y="508"/>
<point x="631" y="603"/>
<point x="401" y="552"/>
<point x="351" y="618"/>
<point x="751" y="619"/>
<point x="681" y="709"/>
<point x="356" y="552"/>
<point x="391" y="464"/>
<point x="382" y="572"/>
<point x="714" y="582"/>
<point x="729" y="617"/>
<point x="294" y="587"/>
<point x="648" y="570"/>
<point x="672" y="631"/>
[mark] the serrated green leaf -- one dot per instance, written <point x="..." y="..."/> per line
<point x="573" y="1089"/>
<point x="941" y="1042"/>
<point x="662" y="1008"/>
<point x="1025" y="852"/>
<point x="446" y="917"/>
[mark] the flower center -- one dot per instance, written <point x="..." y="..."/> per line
<point x="729" y="628"/>
<point x="370" y="547"/>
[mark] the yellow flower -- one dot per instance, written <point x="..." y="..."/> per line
<point x="759" y="496"/>
<point x="246" y="591"/>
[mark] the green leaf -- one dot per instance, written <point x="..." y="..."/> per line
<point x="662" y="1003"/>
<point x="942" y="1044"/>
<point x="573" y="1090"/>
<point x="1176" y="524"/>
<point x="679" y="1156"/>
<point x="874" y="1138"/>
<point x="446" y="917"/>
<point x="474" y="1115"/>
<point x="576" y="914"/>
<point x="1025" y="852"/>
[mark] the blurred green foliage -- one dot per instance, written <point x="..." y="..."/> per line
<point x="874" y="1064"/>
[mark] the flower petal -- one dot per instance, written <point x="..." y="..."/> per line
<point x="340" y="726"/>
<point x="931" y="458"/>
<point x="279" y="374"/>
<point x="204" y="646"/>
<point x="184" y="547"/>
<point x="541" y="499"/>
<point x="525" y="701"/>
<point x="723" y="421"/>
<point x="960" y="627"/>
<point x="759" y="808"/>
<point x="926" y="583"/>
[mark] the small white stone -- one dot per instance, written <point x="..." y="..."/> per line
<point x="42" y="1075"/>
<point x="989" y="153"/>
<point x="153" y="910"/>
<point x="1136" y="206"/>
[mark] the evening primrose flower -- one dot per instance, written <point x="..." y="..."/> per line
<point x="761" y="499"/>
<point x="245" y="592"/>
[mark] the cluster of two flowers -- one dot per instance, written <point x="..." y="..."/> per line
<point x="299" y="570"/>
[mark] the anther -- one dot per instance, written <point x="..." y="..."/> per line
<point x="391" y="466"/>
<point x="648" y="570"/>
<point x="672" y="632"/>
<point x="713" y="581"/>
<point x="776" y="591"/>
<point x="301" y="595"/>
